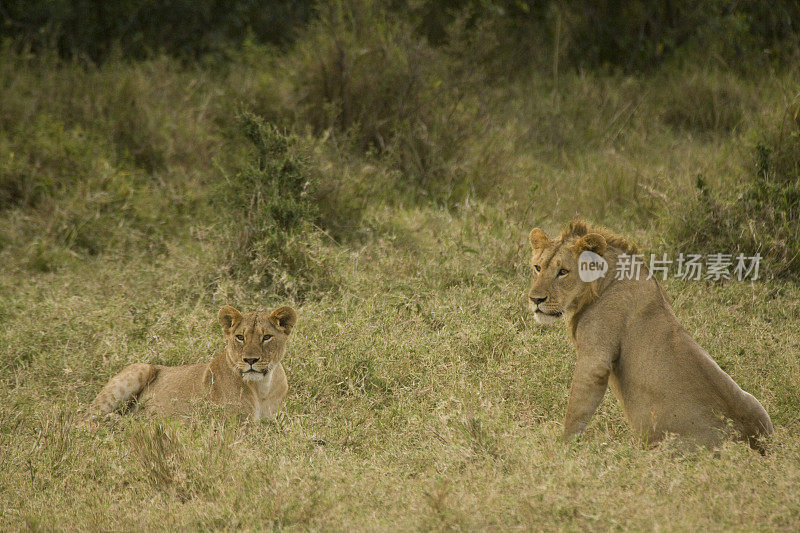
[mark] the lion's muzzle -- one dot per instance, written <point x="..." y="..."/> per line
<point x="540" y="313"/>
<point x="253" y="372"/>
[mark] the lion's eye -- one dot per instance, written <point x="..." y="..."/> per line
<point x="266" y="338"/>
<point x="240" y="338"/>
<point x="537" y="268"/>
<point x="563" y="272"/>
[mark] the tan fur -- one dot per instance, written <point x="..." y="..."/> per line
<point x="247" y="377"/>
<point x="627" y="337"/>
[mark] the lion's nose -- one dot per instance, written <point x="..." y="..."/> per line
<point x="251" y="360"/>
<point x="537" y="301"/>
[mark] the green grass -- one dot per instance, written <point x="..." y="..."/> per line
<point x="422" y="394"/>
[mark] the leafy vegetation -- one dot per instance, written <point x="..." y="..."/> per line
<point x="95" y="30"/>
<point x="272" y="204"/>
<point x="762" y="217"/>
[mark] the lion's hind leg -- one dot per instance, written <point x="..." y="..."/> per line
<point x="121" y="389"/>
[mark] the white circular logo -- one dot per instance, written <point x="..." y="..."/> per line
<point x="591" y="266"/>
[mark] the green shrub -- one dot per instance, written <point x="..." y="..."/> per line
<point x="763" y="217"/>
<point x="97" y="158"/>
<point x="634" y="35"/>
<point x="153" y="114"/>
<point x="73" y="198"/>
<point x="186" y="28"/>
<point x="44" y="158"/>
<point x="362" y="75"/>
<point x="703" y="102"/>
<point x="272" y="205"/>
<point x="638" y="35"/>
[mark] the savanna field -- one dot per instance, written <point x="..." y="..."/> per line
<point x="379" y="170"/>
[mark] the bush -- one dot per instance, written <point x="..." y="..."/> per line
<point x="151" y="114"/>
<point x="634" y="35"/>
<point x="96" y="158"/>
<point x="185" y="28"/>
<point x="631" y="36"/>
<point x="763" y="218"/>
<point x="44" y="158"/>
<point x="272" y="206"/>
<point x="360" y="74"/>
<point x="703" y="102"/>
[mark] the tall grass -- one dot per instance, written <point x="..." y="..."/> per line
<point x="761" y="217"/>
<point x="98" y="158"/>
<point x="360" y="74"/>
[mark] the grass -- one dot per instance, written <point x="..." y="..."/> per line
<point x="422" y="395"/>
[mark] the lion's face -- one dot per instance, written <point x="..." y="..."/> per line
<point x="256" y="341"/>
<point x="556" y="288"/>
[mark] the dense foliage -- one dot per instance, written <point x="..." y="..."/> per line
<point x="187" y="28"/>
<point x="635" y="35"/>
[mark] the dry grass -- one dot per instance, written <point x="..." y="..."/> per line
<point x="422" y="397"/>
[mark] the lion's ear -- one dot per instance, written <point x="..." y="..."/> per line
<point x="228" y="318"/>
<point x="538" y="239"/>
<point x="594" y="242"/>
<point x="284" y="318"/>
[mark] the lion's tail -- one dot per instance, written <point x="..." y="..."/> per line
<point x="121" y="389"/>
<point x="756" y="424"/>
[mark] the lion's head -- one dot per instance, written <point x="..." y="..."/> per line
<point x="256" y="341"/>
<point x="556" y="285"/>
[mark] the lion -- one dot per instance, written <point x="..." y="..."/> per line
<point x="627" y="337"/>
<point x="247" y="377"/>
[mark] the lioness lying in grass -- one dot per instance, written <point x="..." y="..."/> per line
<point x="247" y="376"/>
<point x="627" y="337"/>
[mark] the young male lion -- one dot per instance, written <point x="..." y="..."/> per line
<point x="627" y="336"/>
<point x="247" y="376"/>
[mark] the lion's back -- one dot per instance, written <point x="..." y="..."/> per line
<point x="671" y="384"/>
<point x="174" y="388"/>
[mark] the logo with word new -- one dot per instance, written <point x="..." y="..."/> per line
<point x="591" y="266"/>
